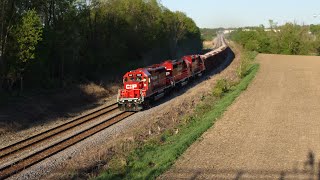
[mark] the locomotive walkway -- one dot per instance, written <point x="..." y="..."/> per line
<point x="272" y="131"/>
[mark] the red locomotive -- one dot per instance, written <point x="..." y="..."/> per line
<point x="148" y="84"/>
<point x="141" y="86"/>
<point x="196" y="64"/>
<point x="177" y="70"/>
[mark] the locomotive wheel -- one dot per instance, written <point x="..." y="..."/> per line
<point x="121" y="107"/>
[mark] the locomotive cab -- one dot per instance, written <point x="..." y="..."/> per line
<point x="135" y="86"/>
<point x="142" y="86"/>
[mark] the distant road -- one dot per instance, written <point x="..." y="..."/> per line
<point x="272" y="131"/>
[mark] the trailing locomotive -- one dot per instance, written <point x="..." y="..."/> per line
<point x="144" y="85"/>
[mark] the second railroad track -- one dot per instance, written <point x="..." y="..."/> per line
<point x="111" y="113"/>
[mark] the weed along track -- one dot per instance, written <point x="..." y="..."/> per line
<point x="12" y="151"/>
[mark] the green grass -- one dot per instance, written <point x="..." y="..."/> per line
<point x="246" y="62"/>
<point x="208" y="37"/>
<point x="155" y="157"/>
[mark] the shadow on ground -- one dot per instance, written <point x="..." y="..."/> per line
<point x="23" y="112"/>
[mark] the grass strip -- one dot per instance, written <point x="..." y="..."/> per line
<point x="152" y="159"/>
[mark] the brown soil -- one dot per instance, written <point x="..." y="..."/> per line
<point x="208" y="44"/>
<point x="270" y="132"/>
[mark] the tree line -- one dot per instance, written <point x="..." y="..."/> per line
<point x="49" y="44"/>
<point x="288" y="39"/>
<point x="207" y="34"/>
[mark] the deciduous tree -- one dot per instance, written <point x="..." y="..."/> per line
<point x="27" y="34"/>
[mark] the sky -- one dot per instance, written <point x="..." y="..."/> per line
<point x="240" y="13"/>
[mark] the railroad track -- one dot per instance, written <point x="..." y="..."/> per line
<point x="37" y="156"/>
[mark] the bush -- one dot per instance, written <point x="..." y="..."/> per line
<point x="221" y="87"/>
<point x="117" y="164"/>
<point x="246" y="63"/>
<point x="252" y="45"/>
<point x="290" y="39"/>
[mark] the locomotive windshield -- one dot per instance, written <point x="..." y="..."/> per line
<point x="135" y="79"/>
<point x="130" y="79"/>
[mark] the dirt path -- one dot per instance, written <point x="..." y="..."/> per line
<point x="272" y="131"/>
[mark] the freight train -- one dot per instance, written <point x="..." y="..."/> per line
<point x="144" y="85"/>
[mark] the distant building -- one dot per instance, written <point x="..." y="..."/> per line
<point x="227" y="31"/>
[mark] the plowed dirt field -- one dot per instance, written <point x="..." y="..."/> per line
<point x="272" y="130"/>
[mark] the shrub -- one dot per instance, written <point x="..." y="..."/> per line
<point x="246" y="63"/>
<point x="290" y="39"/>
<point x="117" y="164"/>
<point x="221" y="87"/>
